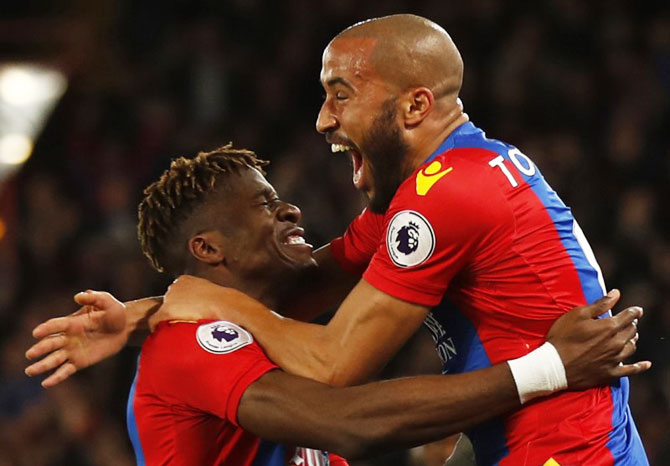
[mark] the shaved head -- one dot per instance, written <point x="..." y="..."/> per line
<point x="411" y="51"/>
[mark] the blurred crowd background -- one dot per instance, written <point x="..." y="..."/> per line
<point x="581" y="87"/>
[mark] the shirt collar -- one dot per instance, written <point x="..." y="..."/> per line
<point x="466" y="128"/>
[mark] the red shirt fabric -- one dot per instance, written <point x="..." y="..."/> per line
<point x="182" y="408"/>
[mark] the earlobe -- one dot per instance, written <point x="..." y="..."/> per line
<point x="207" y="247"/>
<point x="418" y="105"/>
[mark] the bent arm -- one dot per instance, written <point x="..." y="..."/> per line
<point x="359" y="421"/>
<point x="368" y="328"/>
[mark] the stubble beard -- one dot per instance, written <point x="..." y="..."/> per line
<point x="386" y="150"/>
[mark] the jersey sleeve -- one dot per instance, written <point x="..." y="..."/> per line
<point x="355" y="248"/>
<point x="206" y="367"/>
<point x="431" y="237"/>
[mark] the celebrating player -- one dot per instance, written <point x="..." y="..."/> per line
<point x="205" y="393"/>
<point x="462" y="233"/>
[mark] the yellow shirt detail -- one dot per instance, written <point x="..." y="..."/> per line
<point x="430" y="175"/>
<point x="551" y="462"/>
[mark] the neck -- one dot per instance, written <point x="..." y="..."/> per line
<point x="434" y="132"/>
<point x="265" y="293"/>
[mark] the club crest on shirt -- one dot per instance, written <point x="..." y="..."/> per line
<point x="222" y="337"/>
<point x="410" y="239"/>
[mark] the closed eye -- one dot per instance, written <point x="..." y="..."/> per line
<point x="271" y="203"/>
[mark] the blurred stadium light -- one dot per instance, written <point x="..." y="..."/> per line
<point x="28" y="94"/>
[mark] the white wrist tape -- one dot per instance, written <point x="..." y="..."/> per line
<point x="540" y="372"/>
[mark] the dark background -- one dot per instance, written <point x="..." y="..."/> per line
<point x="581" y="87"/>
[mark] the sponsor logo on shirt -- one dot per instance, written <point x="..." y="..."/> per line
<point x="410" y="239"/>
<point x="428" y="176"/>
<point x="446" y="348"/>
<point x="222" y="337"/>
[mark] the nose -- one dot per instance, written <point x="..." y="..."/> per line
<point x="289" y="213"/>
<point x="326" y="121"/>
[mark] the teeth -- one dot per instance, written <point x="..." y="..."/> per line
<point x="339" y="148"/>
<point x="295" y="239"/>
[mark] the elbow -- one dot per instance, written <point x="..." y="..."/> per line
<point x="338" y="374"/>
<point x="326" y="369"/>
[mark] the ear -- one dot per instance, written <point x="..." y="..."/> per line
<point x="207" y="247"/>
<point x="416" y="105"/>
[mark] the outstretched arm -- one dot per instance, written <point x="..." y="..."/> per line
<point x="363" y="420"/>
<point x="95" y="332"/>
<point x="98" y="330"/>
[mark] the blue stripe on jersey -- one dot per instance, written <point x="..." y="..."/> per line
<point x="131" y="423"/>
<point x="624" y="443"/>
<point x="461" y="350"/>
<point x="270" y="454"/>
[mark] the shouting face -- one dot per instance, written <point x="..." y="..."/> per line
<point x="359" y="116"/>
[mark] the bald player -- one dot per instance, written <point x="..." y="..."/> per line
<point x="462" y="234"/>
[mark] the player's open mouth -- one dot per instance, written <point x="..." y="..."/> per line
<point x="295" y="238"/>
<point x="356" y="160"/>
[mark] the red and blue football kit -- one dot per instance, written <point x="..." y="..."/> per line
<point x="182" y="408"/>
<point x="478" y="235"/>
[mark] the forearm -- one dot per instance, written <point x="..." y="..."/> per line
<point x="138" y="313"/>
<point x="367" y="330"/>
<point x="297" y="347"/>
<point x="360" y="421"/>
<point x="414" y="411"/>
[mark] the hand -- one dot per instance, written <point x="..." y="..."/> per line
<point x="193" y="298"/>
<point x="592" y="349"/>
<point x="69" y="344"/>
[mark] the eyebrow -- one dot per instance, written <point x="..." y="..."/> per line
<point x="342" y="81"/>
<point x="264" y="192"/>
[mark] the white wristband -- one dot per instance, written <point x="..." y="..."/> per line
<point x="540" y="372"/>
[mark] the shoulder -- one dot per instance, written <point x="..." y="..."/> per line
<point x="187" y="344"/>
<point x="456" y="185"/>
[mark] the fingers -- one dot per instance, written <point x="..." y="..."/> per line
<point x="51" y="326"/>
<point x="604" y="304"/>
<point x="631" y="369"/>
<point x="46" y="345"/>
<point x="50" y="362"/>
<point x="97" y="299"/>
<point x="626" y="334"/>
<point x="627" y="317"/>
<point x="628" y="349"/>
<point x="61" y="374"/>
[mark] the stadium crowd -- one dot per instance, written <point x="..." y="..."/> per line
<point x="581" y="87"/>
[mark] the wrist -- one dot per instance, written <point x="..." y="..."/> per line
<point x="539" y="373"/>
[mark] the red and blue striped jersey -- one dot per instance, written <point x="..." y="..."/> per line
<point x="182" y="408"/>
<point x="478" y="235"/>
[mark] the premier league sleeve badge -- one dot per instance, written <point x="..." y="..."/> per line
<point x="222" y="337"/>
<point x="410" y="239"/>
